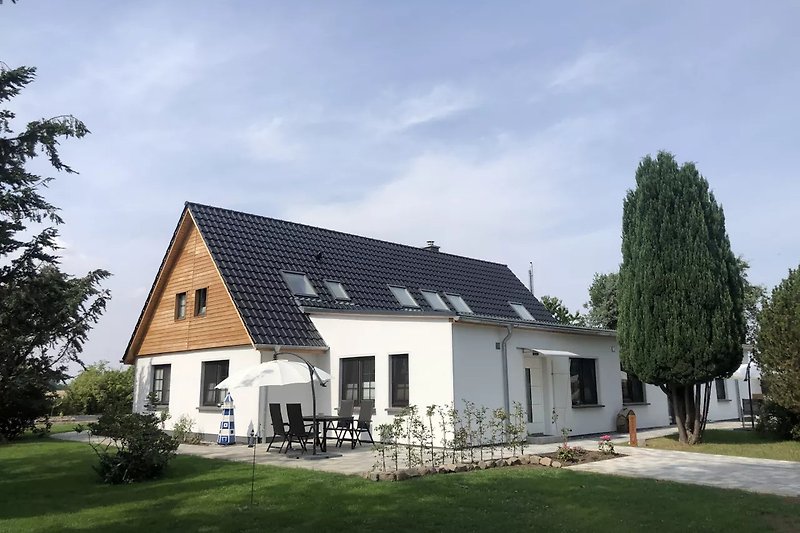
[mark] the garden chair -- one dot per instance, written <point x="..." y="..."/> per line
<point x="364" y="422"/>
<point x="279" y="427"/>
<point x="298" y="430"/>
<point x="344" y="426"/>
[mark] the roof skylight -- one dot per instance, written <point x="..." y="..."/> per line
<point x="435" y="301"/>
<point x="458" y="303"/>
<point x="403" y="296"/>
<point x="337" y="290"/>
<point x="521" y="310"/>
<point x="298" y="283"/>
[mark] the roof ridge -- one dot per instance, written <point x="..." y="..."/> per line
<point x="189" y="205"/>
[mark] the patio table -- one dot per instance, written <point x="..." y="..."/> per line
<point x="328" y="422"/>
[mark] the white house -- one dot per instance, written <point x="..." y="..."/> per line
<point x="394" y="323"/>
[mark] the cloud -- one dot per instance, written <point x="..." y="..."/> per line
<point x="442" y="101"/>
<point x="591" y="69"/>
<point x="270" y="141"/>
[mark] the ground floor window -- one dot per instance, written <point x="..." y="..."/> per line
<point x="528" y="395"/>
<point x="358" y="379"/>
<point x="583" y="381"/>
<point x="399" y="379"/>
<point x="722" y="393"/>
<point x="161" y="379"/>
<point x="632" y="389"/>
<point x="213" y="373"/>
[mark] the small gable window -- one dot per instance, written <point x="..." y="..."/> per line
<point x="435" y="301"/>
<point x="521" y="311"/>
<point x="403" y="296"/>
<point x="298" y="283"/>
<point x="337" y="290"/>
<point x="180" y="306"/>
<point x="458" y="303"/>
<point x="200" y="296"/>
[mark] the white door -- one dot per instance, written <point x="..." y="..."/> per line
<point x="534" y="395"/>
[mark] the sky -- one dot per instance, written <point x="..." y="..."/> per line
<point x="506" y="131"/>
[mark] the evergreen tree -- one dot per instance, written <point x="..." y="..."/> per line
<point x="778" y="348"/>
<point x="561" y="312"/>
<point x="681" y="319"/>
<point x="603" y="304"/>
<point x="45" y="314"/>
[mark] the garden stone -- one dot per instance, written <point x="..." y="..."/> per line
<point x="482" y="465"/>
<point x="556" y="464"/>
<point x="402" y="475"/>
<point x="413" y="472"/>
<point x="500" y="462"/>
<point x="545" y="461"/>
<point x="514" y="461"/>
<point x="525" y="460"/>
<point x="535" y="459"/>
<point x="461" y="468"/>
<point x="373" y="476"/>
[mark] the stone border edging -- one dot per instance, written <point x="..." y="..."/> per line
<point x="408" y="473"/>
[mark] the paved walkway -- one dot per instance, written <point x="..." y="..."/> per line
<point x="723" y="471"/>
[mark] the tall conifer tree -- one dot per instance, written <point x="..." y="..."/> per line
<point x="681" y="319"/>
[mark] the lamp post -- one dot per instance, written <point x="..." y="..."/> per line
<point x="312" y="373"/>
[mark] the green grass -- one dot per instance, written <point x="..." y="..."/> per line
<point x="734" y="442"/>
<point x="48" y="485"/>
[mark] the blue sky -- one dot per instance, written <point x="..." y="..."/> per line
<point x="504" y="131"/>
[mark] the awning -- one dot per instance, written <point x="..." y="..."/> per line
<point x="549" y="353"/>
<point x="741" y="372"/>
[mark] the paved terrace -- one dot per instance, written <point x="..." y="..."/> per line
<point x="758" y="475"/>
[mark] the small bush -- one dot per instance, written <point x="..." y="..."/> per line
<point x="605" y="445"/>
<point x="137" y="449"/>
<point x="569" y="454"/>
<point x="182" y="430"/>
<point x="779" y="421"/>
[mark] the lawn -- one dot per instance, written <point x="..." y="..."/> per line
<point x="48" y="485"/>
<point x="734" y="442"/>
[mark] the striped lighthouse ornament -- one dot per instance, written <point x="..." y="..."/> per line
<point x="226" y="428"/>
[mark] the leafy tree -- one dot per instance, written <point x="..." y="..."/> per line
<point x="603" y="302"/>
<point x="99" y="388"/>
<point x="778" y="349"/>
<point x="561" y="312"/>
<point x="681" y="303"/>
<point x="45" y="314"/>
<point x="754" y="298"/>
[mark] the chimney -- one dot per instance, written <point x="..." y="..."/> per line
<point x="431" y="246"/>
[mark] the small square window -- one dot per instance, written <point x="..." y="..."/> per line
<point x="521" y="311"/>
<point x="458" y="303"/>
<point x="337" y="290"/>
<point x="180" y="306"/>
<point x="200" y="296"/>
<point x="435" y="301"/>
<point x="298" y="283"/>
<point x="403" y="296"/>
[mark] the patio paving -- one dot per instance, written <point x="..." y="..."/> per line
<point x="758" y="475"/>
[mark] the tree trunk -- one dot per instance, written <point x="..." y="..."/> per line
<point x="679" y="410"/>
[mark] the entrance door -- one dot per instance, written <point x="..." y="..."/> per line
<point x="534" y="395"/>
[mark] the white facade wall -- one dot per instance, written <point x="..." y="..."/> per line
<point x="427" y="341"/>
<point x="185" y="387"/>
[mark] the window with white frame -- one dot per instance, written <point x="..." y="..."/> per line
<point x="298" y="283"/>
<point x="435" y="301"/>
<point x="337" y="290"/>
<point x="403" y="296"/>
<point x="521" y="311"/>
<point x="160" y="385"/>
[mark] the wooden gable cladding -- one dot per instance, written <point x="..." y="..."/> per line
<point x="189" y="266"/>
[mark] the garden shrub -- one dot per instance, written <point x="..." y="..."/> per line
<point x="182" y="430"/>
<point x="136" y="448"/>
<point x="779" y="421"/>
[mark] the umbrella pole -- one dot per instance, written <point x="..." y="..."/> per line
<point x="750" y="394"/>
<point x="313" y="407"/>
<point x="253" y="479"/>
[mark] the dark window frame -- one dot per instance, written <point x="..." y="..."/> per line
<point x="181" y="300"/>
<point x="633" y="389"/>
<point x="586" y="371"/>
<point x="529" y="394"/>
<point x="165" y="381"/>
<point x="722" y="391"/>
<point x="198" y="310"/>
<point x="207" y="379"/>
<point x="346" y="391"/>
<point x="398" y="389"/>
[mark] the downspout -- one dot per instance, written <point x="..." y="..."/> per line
<point x="504" y="359"/>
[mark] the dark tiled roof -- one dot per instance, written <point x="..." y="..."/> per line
<point x="251" y="251"/>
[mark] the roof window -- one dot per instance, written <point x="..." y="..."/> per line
<point x="458" y="303"/>
<point x="521" y="310"/>
<point x="337" y="290"/>
<point x="298" y="283"/>
<point x="403" y="296"/>
<point x="435" y="301"/>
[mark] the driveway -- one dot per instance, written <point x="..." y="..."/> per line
<point x="722" y="471"/>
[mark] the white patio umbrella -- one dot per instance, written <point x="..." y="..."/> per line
<point x="747" y="372"/>
<point x="280" y="372"/>
<point x="277" y="372"/>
